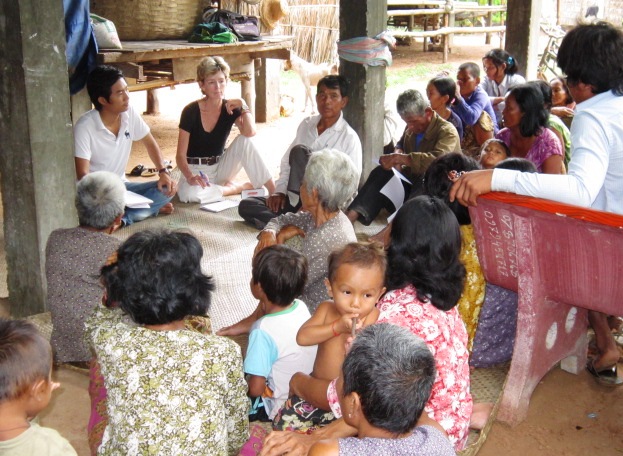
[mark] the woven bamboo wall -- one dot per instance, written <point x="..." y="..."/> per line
<point x="313" y="23"/>
<point x="573" y="11"/>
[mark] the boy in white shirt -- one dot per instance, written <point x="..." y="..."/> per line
<point x="273" y="356"/>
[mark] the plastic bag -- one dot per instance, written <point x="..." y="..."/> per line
<point x="105" y="33"/>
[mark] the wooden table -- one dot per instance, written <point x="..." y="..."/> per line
<point x="153" y="64"/>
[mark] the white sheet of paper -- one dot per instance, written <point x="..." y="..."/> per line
<point x="219" y="205"/>
<point x="394" y="190"/>
<point x="136" y="201"/>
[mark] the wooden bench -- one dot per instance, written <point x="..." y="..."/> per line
<point x="448" y="11"/>
<point x="562" y="261"/>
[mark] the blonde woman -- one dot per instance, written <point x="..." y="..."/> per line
<point x="207" y="168"/>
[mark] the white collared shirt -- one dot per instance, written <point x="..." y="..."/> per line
<point x="105" y="151"/>
<point x="595" y="177"/>
<point x="339" y="136"/>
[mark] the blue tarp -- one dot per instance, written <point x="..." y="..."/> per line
<point x="81" y="46"/>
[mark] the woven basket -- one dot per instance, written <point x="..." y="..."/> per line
<point x="138" y="20"/>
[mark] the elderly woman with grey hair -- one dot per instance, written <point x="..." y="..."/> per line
<point x="330" y="181"/>
<point x="426" y="137"/>
<point x="74" y="257"/>
<point x="386" y="381"/>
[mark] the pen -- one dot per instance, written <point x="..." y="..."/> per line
<point x="204" y="177"/>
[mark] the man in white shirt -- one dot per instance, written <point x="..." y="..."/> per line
<point x="328" y="130"/>
<point x="103" y="140"/>
<point x="592" y="58"/>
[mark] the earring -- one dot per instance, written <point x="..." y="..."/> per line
<point x="350" y="415"/>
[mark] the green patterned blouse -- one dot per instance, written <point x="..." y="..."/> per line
<point x="169" y="392"/>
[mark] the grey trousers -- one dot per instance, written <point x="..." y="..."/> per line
<point x="255" y="211"/>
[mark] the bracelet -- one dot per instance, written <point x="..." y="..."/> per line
<point x="335" y="334"/>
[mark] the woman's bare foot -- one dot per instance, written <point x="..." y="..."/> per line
<point x="383" y="236"/>
<point x="233" y="188"/>
<point x="166" y="209"/>
<point x="352" y="215"/>
<point x="480" y="415"/>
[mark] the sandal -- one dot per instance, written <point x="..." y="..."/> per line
<point x="148" y="172"/>
<point x="136" y="171"/>
<point x="605" y="377"/>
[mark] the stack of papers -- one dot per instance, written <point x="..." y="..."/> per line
<point x="219" y="205"/>
<point x="136" y="201"/>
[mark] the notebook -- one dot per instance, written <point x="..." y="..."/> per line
<point x="219" y="206"/>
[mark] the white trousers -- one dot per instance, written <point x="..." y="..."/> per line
<point x="242" y="153"/>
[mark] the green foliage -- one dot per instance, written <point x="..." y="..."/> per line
<point x="421" y="71"/>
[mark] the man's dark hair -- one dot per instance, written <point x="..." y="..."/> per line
<point x="593" y="54"/>
<point x="281" y="272"/>
<point x="472" y="68"/>
<point x="100" y="82"/>
<point x="335" y="81"/>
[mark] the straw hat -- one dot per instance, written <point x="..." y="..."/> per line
<point x="272" y="11"/>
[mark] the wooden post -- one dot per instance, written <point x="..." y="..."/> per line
<point x="247" y="88"/>
<point x="267" y="91"/>
<point x="522" y="29"/>
<point x="489" y="24"/>
<point x="153" y="104"/>
<point x="446" y="39"/>
<point x="365" y="110"/>
<point x="37" y="165"/>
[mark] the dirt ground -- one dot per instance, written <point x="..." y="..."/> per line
<point x="569" y="414"/>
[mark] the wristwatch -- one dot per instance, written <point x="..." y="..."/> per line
<point x="164" y="170"/>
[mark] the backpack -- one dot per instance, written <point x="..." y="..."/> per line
<point x="246" y="28"/>
<point x="212" y="32"/>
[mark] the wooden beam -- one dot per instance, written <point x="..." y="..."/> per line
<point x="141" y="51"/>
<point x="451" y="31"/>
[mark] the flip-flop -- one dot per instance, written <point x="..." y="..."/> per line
<point x="136" y="171"/>
<point x="605" y="377"/>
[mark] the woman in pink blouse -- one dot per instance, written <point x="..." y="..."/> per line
<point x="526" y="133"/>
<point x="426" y="278"/>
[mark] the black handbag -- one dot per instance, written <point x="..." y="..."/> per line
<point x="246" y="28"/>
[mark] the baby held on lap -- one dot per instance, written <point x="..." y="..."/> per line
<point x="355" y="283"/>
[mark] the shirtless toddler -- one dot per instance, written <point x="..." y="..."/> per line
<point x="355" y="283"/>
